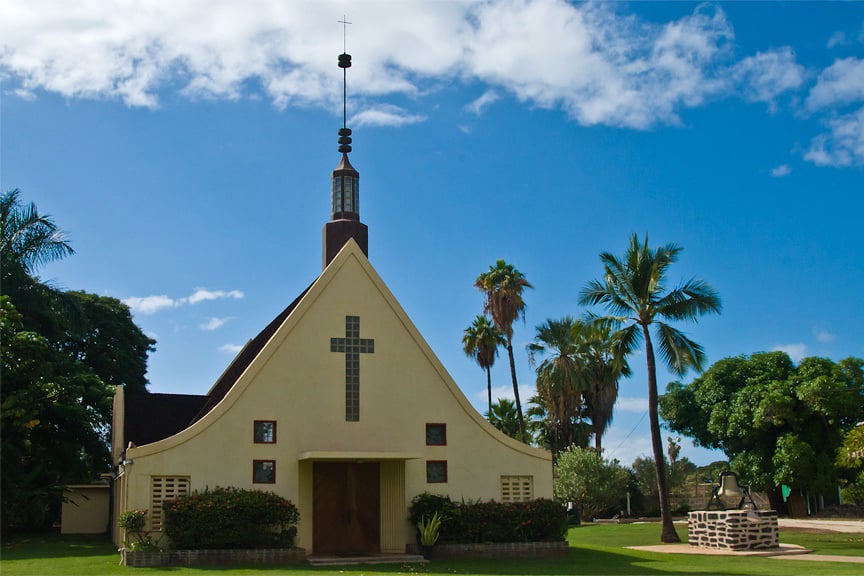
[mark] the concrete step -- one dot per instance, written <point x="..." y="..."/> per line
<point x="371" y="559"/>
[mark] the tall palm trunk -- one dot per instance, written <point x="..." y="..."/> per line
<point x="516" y="390"/>
<point x="668" y="533"/>
<point x="489" y="387"/>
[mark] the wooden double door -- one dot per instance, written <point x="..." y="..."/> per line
<point x="346" y="505"/>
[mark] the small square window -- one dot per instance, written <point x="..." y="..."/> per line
<point x="436" y="471"/>
<point x="263" y="471"/>
<point x="436" y="434"/>
<point x="265" y="431"/>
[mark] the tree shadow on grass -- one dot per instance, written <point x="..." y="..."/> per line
<point x="576" y="562"/>
<point x="53" y="545"/>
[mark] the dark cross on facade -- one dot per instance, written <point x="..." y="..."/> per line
<point x="352" y="346"/>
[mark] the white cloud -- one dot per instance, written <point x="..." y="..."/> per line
<point x="781" y="170"/>
<point x="476" y="107"/>
<point x="767" y="75"/>
<point x="203" y="295"/>
<point x="840" y="83"/>
<point x="837" y="39"/>
<point x="597" y="64"/>
<point x="635" y="405"/>
<point x="843" y="145"/>
<point x="149" y="304"/>
<point x="152" y="304"/>
<point x="619" y="71"/>
<point x="625" y="445"/>
<point x="506" y="391"/>
<point x="230" y="348"/>
<point x="795" y="351"/>
<point x="213" y="324"/>
<point x="386" y="115"/>
<point x="825" y="337"/>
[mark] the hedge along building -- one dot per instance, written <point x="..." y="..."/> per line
<point x="338" y="404"/>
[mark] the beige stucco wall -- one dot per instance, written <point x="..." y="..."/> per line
<point x="85" y="509"/>
<point x="298" y="382"/>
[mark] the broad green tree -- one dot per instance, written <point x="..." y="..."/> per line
<point x="777" y="423"/>
<point x="481" y="341"/>
<point x="105" y="338"/>
<point x="502" y="287"/>
<point x="591" y="482"/>
<point x="55" y="415"/>
<point x="633" y="289"/>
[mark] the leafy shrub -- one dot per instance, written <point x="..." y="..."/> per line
<point x="854" y="491"/>
<point x="231" y="518"/>
<point x="425" y="505"/>
<point x="592" y="483"/>
<point x="478" y="522"/>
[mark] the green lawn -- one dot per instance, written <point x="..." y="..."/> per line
<point x="594" y="550"/>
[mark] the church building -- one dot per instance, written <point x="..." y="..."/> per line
<point x="338" y="404"/>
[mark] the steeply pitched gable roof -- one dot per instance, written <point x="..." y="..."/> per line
<point x="150" y="417"/>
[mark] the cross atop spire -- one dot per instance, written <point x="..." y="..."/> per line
<point x="344" y="23"/>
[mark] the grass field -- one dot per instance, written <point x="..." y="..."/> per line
<point x="593" y="550"/>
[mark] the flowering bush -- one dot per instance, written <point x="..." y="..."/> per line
<point x="133" y="521"/>
<point x="538" y="520"/>
<point x="231" y="518"/>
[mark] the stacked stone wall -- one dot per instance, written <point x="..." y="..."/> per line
<point x="733" y="529"/>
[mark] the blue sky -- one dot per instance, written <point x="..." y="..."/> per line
<point x="187" y="148"/>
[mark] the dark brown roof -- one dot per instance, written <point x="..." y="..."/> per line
<point x="244" y="359"/>
<point x="151" y="417"/>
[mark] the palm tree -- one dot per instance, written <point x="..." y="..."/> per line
<point x="560" y="377"/>
<point x="604" y="366"/>
<point x="480" y="342"/>
<point x="502" y="415"/>
<point x="28" y="239"/>
<point x="502" y="287"/>
<point x="633" y="290"/>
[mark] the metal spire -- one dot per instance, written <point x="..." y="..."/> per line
<point x="344" y="63"/>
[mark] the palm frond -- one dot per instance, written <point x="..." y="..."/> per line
<point x="678" y="352"/>
<point x="689" y="301"/>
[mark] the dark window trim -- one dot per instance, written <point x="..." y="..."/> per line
<point x="446" y="477"/>
<point x="254" y="462"/>
<point x="443" y="425"/>
<point x="255" y="425"/>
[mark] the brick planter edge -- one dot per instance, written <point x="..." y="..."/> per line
<point x="496" y="550"/>
<point x="213" y="557"/>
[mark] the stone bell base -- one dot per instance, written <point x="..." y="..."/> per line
<point x="733" y="529"/>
